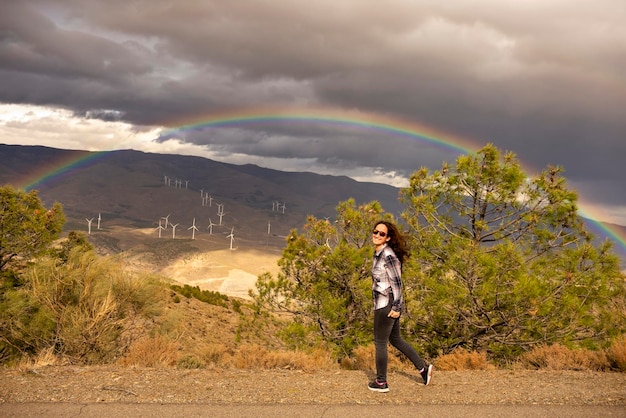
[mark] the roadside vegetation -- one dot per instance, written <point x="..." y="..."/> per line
<point x="502" y="275"/>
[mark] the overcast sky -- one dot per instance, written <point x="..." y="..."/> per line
<point x="545" y="79"/>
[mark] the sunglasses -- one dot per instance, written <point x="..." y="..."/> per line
<point x="381" y="233"/>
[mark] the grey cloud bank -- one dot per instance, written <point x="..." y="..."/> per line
<point x="542" y="79"/>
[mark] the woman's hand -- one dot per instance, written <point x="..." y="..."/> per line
<point x="394" y="314"/>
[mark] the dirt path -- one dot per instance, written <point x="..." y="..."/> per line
<point x="327" y="387"/>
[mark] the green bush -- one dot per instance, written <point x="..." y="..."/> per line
<point x="207" y="296"/>
<point x="87" y="309"/>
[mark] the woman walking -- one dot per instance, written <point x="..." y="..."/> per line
<point x="389" y="254"/>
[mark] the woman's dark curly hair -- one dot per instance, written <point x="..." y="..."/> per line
<point x="396" y="240"/>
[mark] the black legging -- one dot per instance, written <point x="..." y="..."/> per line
<point x="387" y="329"/>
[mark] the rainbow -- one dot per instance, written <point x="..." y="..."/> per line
<point x="596" y="226"/>
<point x="57" y="168"/>
<point x="327" y="117"/>
<point x="370" y="122"/>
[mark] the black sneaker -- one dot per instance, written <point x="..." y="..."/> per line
<point x="377" y="386"/>
<point x="427" y="374"/>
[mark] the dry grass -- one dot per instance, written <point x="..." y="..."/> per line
<point x="213" y="354"/>
<point x="559" y="357"/>
<point x="364" y="358"/>
<point x="616" y="353"/>
<point x="45" y="357"/>
<point x="461" y="359"/>
<point x="155" y="351"/>
<point x="162" y="352"/>
<point x="257" y="357"/>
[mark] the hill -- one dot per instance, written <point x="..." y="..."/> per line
<point x="132" y="191"/>
<point x="128" y="194"/>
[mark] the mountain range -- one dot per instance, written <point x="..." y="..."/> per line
<point x="137" y="190"/>
<point x="133" y="189"/>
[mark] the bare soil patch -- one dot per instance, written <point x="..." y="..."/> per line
<point x="231" y="272"/>
<point x="205" y="262"/>
<point x="255" y="387"/>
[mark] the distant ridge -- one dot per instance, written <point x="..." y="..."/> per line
<point x="127" y="188"/>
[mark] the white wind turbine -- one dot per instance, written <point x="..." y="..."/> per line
<point x="160" y="228"/>
<point x="231" y="236"/>
<point x="193" y="229"/>
<point x="269" y="227"/>
<point x="99" y="219"/>
<point x="284" y="205"/>
<point x="211" y="226"/>
<point x="89" y="221"/>
<point x="210" y="199"/>
<point x="166" y="219"/>
<point x="174" y="231"/>
<point x="220" y="211"/>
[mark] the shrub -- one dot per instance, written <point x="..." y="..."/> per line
<point x="87" y="309"/>
<point x="207" y="296"/>
<point x="157" y="351"/>
<point x="189" y="362"/>
<point x="44" y="358"/>
<point x="559" y="357"/>
<point x="364" y="358"/>
<point x="255" y="357"/>
<point x="461" y="359"/>
<point x="214" y="353"/>
<point x="616" y="353"/>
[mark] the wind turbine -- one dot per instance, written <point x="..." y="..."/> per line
<point x="211" y="226"/>
<point x="99" y="218"/>
<point x="220" y="211"/>
<point x="174" y="231"/>
<point x="284" y="204"/>
<point x="166" y="218"/>
<point x="269" y="228"/>
<point x="89" y="221"/>
<point x="160" y="228"/>
<point x="232" y="237"/>
<point x="193" y="229"/>
<point x="210" y="199"/>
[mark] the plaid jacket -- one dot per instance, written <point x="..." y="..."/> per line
<point x="387" y="279"/>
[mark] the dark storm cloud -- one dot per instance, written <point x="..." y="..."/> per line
<point x="542" y="79"/>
